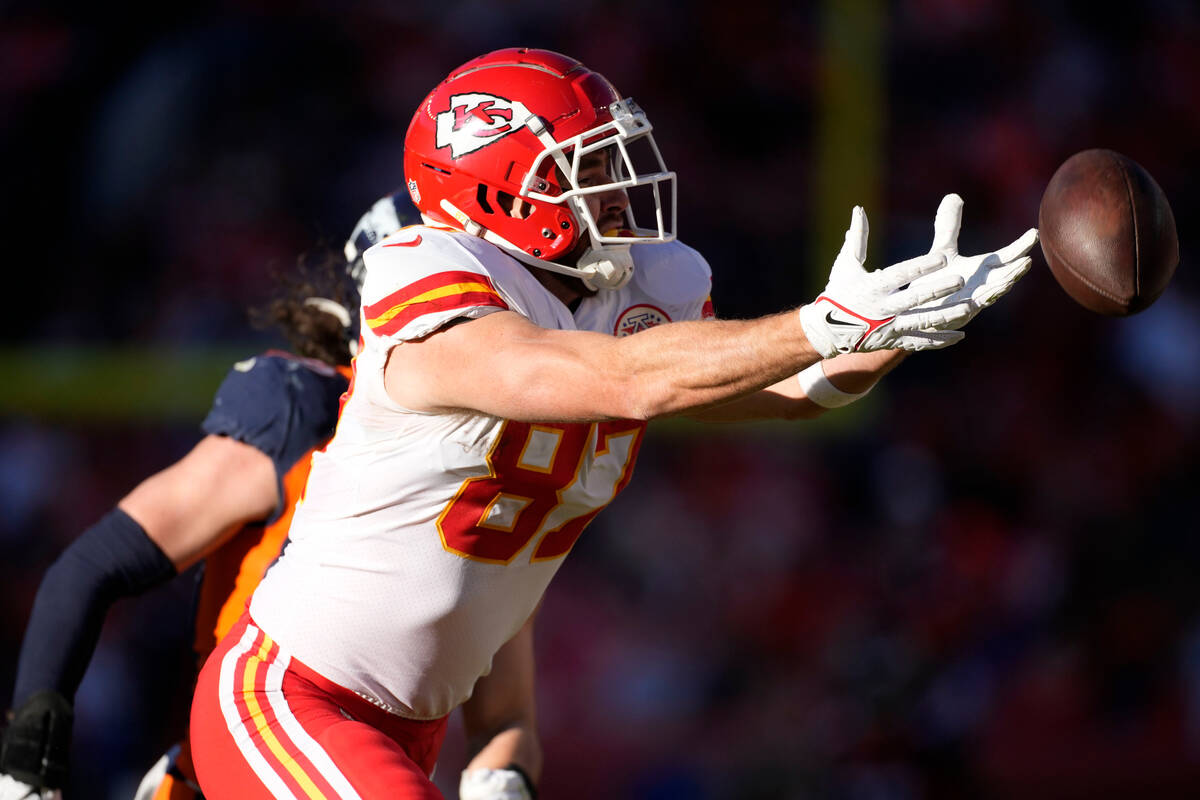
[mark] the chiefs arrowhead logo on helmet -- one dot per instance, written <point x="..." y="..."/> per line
<point x="476" y="120"/>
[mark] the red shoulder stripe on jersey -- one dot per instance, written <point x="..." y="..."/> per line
<point x="430" y="283"/>
<point x="447" y="303"/>
<point x="444" y="291"/>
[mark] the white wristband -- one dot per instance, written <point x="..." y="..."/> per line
<point x="821" y="390"/>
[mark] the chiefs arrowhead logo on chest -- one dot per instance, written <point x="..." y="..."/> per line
<point x="476" y="120"/>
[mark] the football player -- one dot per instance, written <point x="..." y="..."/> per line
<point x="229" y="502"/>
<point x="514" y="348"/>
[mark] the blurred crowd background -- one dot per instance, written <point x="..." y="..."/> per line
<point x="980" y="581"/>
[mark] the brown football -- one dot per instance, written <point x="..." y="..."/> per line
<point x="1108" y="233"/>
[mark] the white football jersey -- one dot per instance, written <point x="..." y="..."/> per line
<point x="424" y="541"/>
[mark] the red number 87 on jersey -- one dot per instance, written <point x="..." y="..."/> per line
<point x="546" y="480"/>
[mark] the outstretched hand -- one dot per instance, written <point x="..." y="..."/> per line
<point x="986" y="277"/>
<point x="861" y="311"/>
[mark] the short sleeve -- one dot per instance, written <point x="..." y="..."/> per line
<point x="419" y="279"/>
<point x="279" y="404"/>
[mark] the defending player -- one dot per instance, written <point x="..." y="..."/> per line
<point x="498" y="405"/>
<point x="229" y="502"/>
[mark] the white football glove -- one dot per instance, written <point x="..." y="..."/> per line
<point x="492" y="784"/>
<point x="861" y="311"/>
<point x="13" y="789"/>
<point x="986" y="277"/>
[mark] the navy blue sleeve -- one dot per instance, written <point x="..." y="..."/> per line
<point x="280" y="404"/>
<point x="112" y="559"/>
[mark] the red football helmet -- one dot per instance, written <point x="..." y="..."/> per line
<point x="517" y="123"/>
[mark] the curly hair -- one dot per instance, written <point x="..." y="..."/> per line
<point x="311" y="332"/>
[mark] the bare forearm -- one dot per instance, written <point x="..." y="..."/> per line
<point x="671" y="369"/>
<point x="857" y="372"/>
<point x="505" y="366"/>
<point x="500" y="719"/>
<point x="192" y="506"/>
<point x="517" y="745"/>
<point x="695" y="365"/>
<point x="852" y="373"/>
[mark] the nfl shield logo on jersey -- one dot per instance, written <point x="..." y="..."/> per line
<point x="639" y="318"/>
<point x="476" y="120"/>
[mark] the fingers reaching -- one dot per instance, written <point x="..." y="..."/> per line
<point x="1018" y="248"/>
<point x="892" y="278"/>
<point x="947" y="224"/>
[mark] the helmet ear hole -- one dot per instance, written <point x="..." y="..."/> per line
<point x="496" y="201"/>
<point x="516" y="207"/>
<point x="481" y="197"/>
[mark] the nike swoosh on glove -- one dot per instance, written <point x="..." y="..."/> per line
<point x="986" y="277"/>
<point x="861" y="311"/>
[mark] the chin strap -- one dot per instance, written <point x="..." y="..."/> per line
<point x="607" y="267"/>
<point x="600" y="267"/>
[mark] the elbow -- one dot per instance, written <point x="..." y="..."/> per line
<point x="631" y="397"/>
<point x="641" y="413"/>
<point x="642" y="403"/>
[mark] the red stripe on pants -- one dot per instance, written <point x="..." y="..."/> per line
<point x="261" y="726"/>
<point x="380" y="755"/>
